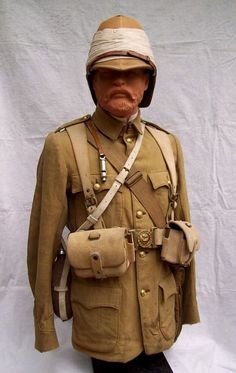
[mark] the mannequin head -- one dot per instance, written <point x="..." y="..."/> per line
<point x="120" y="92"/>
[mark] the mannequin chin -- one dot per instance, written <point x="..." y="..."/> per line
<point x="121" y="107"/>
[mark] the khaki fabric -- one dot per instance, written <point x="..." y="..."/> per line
<point x="115" y="318"/>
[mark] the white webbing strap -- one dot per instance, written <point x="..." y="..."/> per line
<point x="78" y="137"/>
<point x="163" y="141"/>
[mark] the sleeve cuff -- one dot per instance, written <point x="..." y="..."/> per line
<point x="45" y="341"/>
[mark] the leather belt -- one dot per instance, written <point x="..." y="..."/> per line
<point x="146" y="238"/>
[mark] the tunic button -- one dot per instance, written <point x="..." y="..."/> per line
<point x="142" y="254"/>
<point x="129" y="140"/>
<point x="143" y="293"/>
<point x="139" y="214"/>
<point x="96" y="186"/>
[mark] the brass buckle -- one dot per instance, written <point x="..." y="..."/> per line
<point x="90" y="201"/>
<point x="144" y="238"/>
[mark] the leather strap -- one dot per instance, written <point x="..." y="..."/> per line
<point x="94" y="133"/>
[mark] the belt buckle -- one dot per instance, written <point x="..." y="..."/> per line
<point x="144" y="238"/>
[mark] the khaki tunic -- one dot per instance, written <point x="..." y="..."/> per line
<point x="116" y="318"/>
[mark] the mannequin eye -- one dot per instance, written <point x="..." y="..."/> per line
<point x="135" y="73"/>
<point x="104" y="74"/>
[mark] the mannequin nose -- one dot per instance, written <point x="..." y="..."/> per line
<point x="119" y="77"/>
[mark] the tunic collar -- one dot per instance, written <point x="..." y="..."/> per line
<point x="110" y="126"/>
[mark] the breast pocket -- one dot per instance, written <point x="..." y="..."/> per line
<point x="112" y="216"/>
<point x="160" y="181"/>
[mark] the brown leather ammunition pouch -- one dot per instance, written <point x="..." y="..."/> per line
<point x="100" y="253"/>
<point x="179" y="243"/>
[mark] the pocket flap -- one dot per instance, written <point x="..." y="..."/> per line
<point x="96" y="179"/>
<point x="159" y="179"/>
<point x="94" y="296"/>
<point x="168" y="286"/>
<point x="190" y="232"/>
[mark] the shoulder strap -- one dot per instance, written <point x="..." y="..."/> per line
<point x="64" y="126"/>
<point x="78" y="137"/>
<point x="163" y="141"/>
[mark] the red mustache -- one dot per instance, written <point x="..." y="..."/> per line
<point x="122" y="91"/>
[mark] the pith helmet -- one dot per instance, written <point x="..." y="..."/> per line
<point x="120" y="43"/>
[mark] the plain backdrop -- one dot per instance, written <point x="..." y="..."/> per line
<point x="43" y="50"/>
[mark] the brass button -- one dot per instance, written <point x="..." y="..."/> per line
<point x="143" y="293"/>
<point x="139" y="214"/>
<point x="96" y="186"/>
<point x="129" y="140"/>
<point x="142" y="254"/>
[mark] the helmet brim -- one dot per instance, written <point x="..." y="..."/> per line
<point x="121" y="64"/>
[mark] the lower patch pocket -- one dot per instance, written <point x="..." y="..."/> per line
<point x="96" y="317"/>
<point x="167" y="293"/>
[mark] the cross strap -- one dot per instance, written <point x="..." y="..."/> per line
<point x="135" y="182"/>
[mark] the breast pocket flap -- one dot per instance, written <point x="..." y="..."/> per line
<point x="99" y="297"/>
<point x="159" y="179"/>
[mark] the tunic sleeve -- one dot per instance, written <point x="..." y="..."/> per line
<point x="48" y="218"/>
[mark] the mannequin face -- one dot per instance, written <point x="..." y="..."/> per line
<point x="120" y="92"/>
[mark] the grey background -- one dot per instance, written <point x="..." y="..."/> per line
<point x="43" y="49"/>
